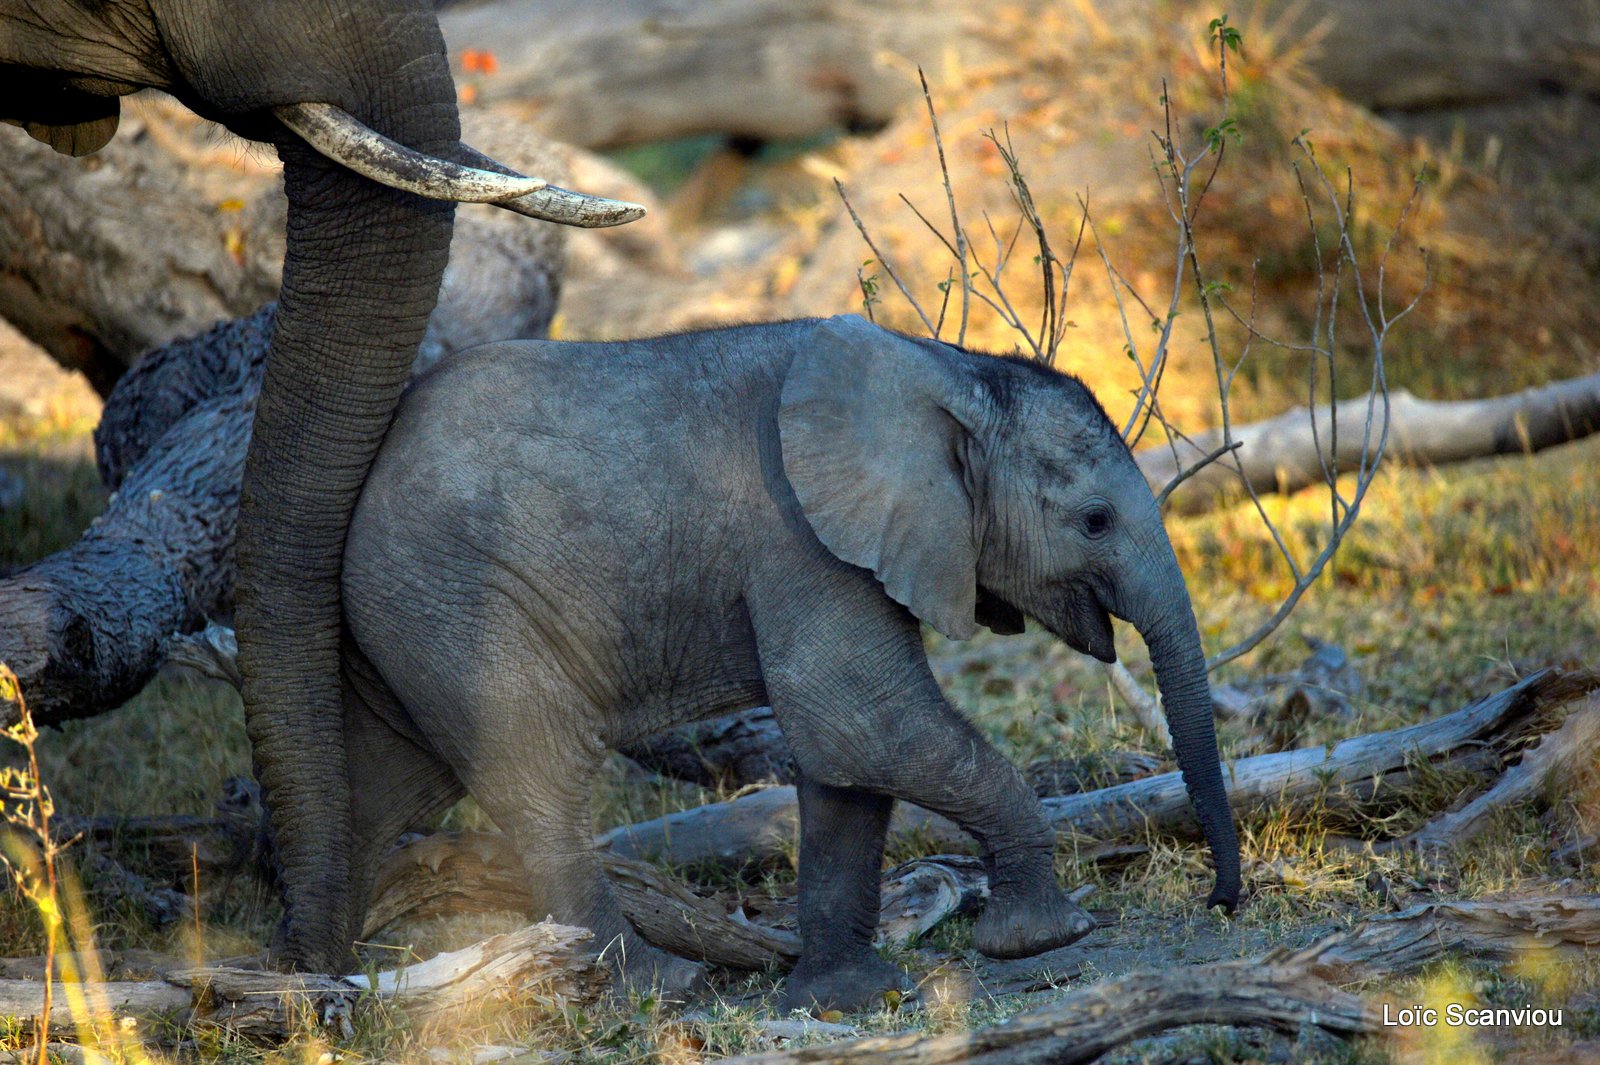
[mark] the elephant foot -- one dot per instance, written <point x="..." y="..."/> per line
<point x="1020" y="927"/>
<point x="856" y="985"/>
<point x="646" y="970"/>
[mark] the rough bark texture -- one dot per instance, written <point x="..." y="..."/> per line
<point x="762" y="825"/>
<point x="83" y="629"/>
<point x="553" y="961"/>
<point x="1280" y="990"/>
<point x="1554" y="767"/>
<point x="1277" y="992"/>
<point x="728" y="752"/>
<point x="175" y="225"/>
<point x="1280" y="454"/>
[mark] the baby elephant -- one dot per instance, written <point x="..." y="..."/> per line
<point x="564" y="548"/>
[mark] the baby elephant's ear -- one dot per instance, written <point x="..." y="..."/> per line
<point x="873" y="428"/>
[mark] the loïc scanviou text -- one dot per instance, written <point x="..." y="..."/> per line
<point x="1457" y="1015"/>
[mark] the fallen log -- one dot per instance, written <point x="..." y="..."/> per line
<point x="451" y="872"/>
<point x="635" y="71"/>
<point x="545" y="960"/>
<point x="1281" y="454"/>
<point x="194" y="234"/>
<point x="1283" y="990"/>
<point x="761" y="826"/>
<point x="727" y="752"/>
<point x="1496" y="930"/>
<point x="1558" y="761"/>
<point x="1277" y="991"/>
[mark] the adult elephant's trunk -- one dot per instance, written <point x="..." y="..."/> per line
<point x="361" y="274"/>
<point x="1161" y="611"/>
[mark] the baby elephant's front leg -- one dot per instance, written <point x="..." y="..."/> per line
<point x="915" y="747"/>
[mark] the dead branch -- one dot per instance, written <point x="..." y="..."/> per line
<point x="727" y="752"/>
<point x="761" y="826"/>
<point x="1403" y="943"/>
<point x="545" y="960"/>
<point x="1278" y="991"/>
<point x="1281" y="455"/>
<point x="451" y="872"/>
<point x="1282" y="990"/>
<point x="1558" y="760"/>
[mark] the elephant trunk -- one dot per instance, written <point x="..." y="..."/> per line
<point x="361" y="275"/>
<point x="1165" y="619"/>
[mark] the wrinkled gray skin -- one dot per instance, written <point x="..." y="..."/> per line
<point x="563" y="548"/>
<point x="360" y="277"/>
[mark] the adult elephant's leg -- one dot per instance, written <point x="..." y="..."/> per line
<point x="841" y="857"/>
<point x="396" y="783"/>
<point x="850" y="685"/>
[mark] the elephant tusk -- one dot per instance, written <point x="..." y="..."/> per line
<point x="348" y="142"/>
<point x="555" y="204"/>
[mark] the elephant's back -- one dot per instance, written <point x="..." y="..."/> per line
<point x="544" y="446"/>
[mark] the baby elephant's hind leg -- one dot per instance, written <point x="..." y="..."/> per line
<point x="539" y="794"/>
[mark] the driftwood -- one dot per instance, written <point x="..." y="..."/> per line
<point x="479" y="871"/>
<point x="761" y="826"/>
<point x="546" y="960"/>
<point x="1280" y="454"/>
<point x="1556" y="763"/>
<point x="1277" y="991"/>
<point x="1283" y="990"/>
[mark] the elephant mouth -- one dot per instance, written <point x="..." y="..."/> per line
<point x="1083" y="624"/>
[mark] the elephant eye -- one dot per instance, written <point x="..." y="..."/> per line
<point x="1097" y="522"/>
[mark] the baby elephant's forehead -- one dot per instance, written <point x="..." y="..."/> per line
<point x="1064" y="441"/>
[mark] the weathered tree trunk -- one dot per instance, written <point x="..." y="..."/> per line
<point x="1411" y="54"/>
<point x="1555" y="766"/>
<point x="1283" y="990"/>
<point x="632" y="71"/>
<point x="174" y="225"/>
<point x="1280" y="454"/>
<point x="552" y="960"/>
<point x="761" y="826"/>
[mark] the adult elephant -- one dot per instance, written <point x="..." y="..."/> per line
<point x="357" y="97"/>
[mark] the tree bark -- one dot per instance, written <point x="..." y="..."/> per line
<point x="551" y="960"/>
<point x="1282" y="990"/>
<point x="1555" y="766"/>
<point x="175" y="225"/>
<point x="1413" y="54"/>
<point x="761" y="826"/>
<point x="1277" y="991"/>
<point x="1281" y="453"/>
<point x="633" y="71"/>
